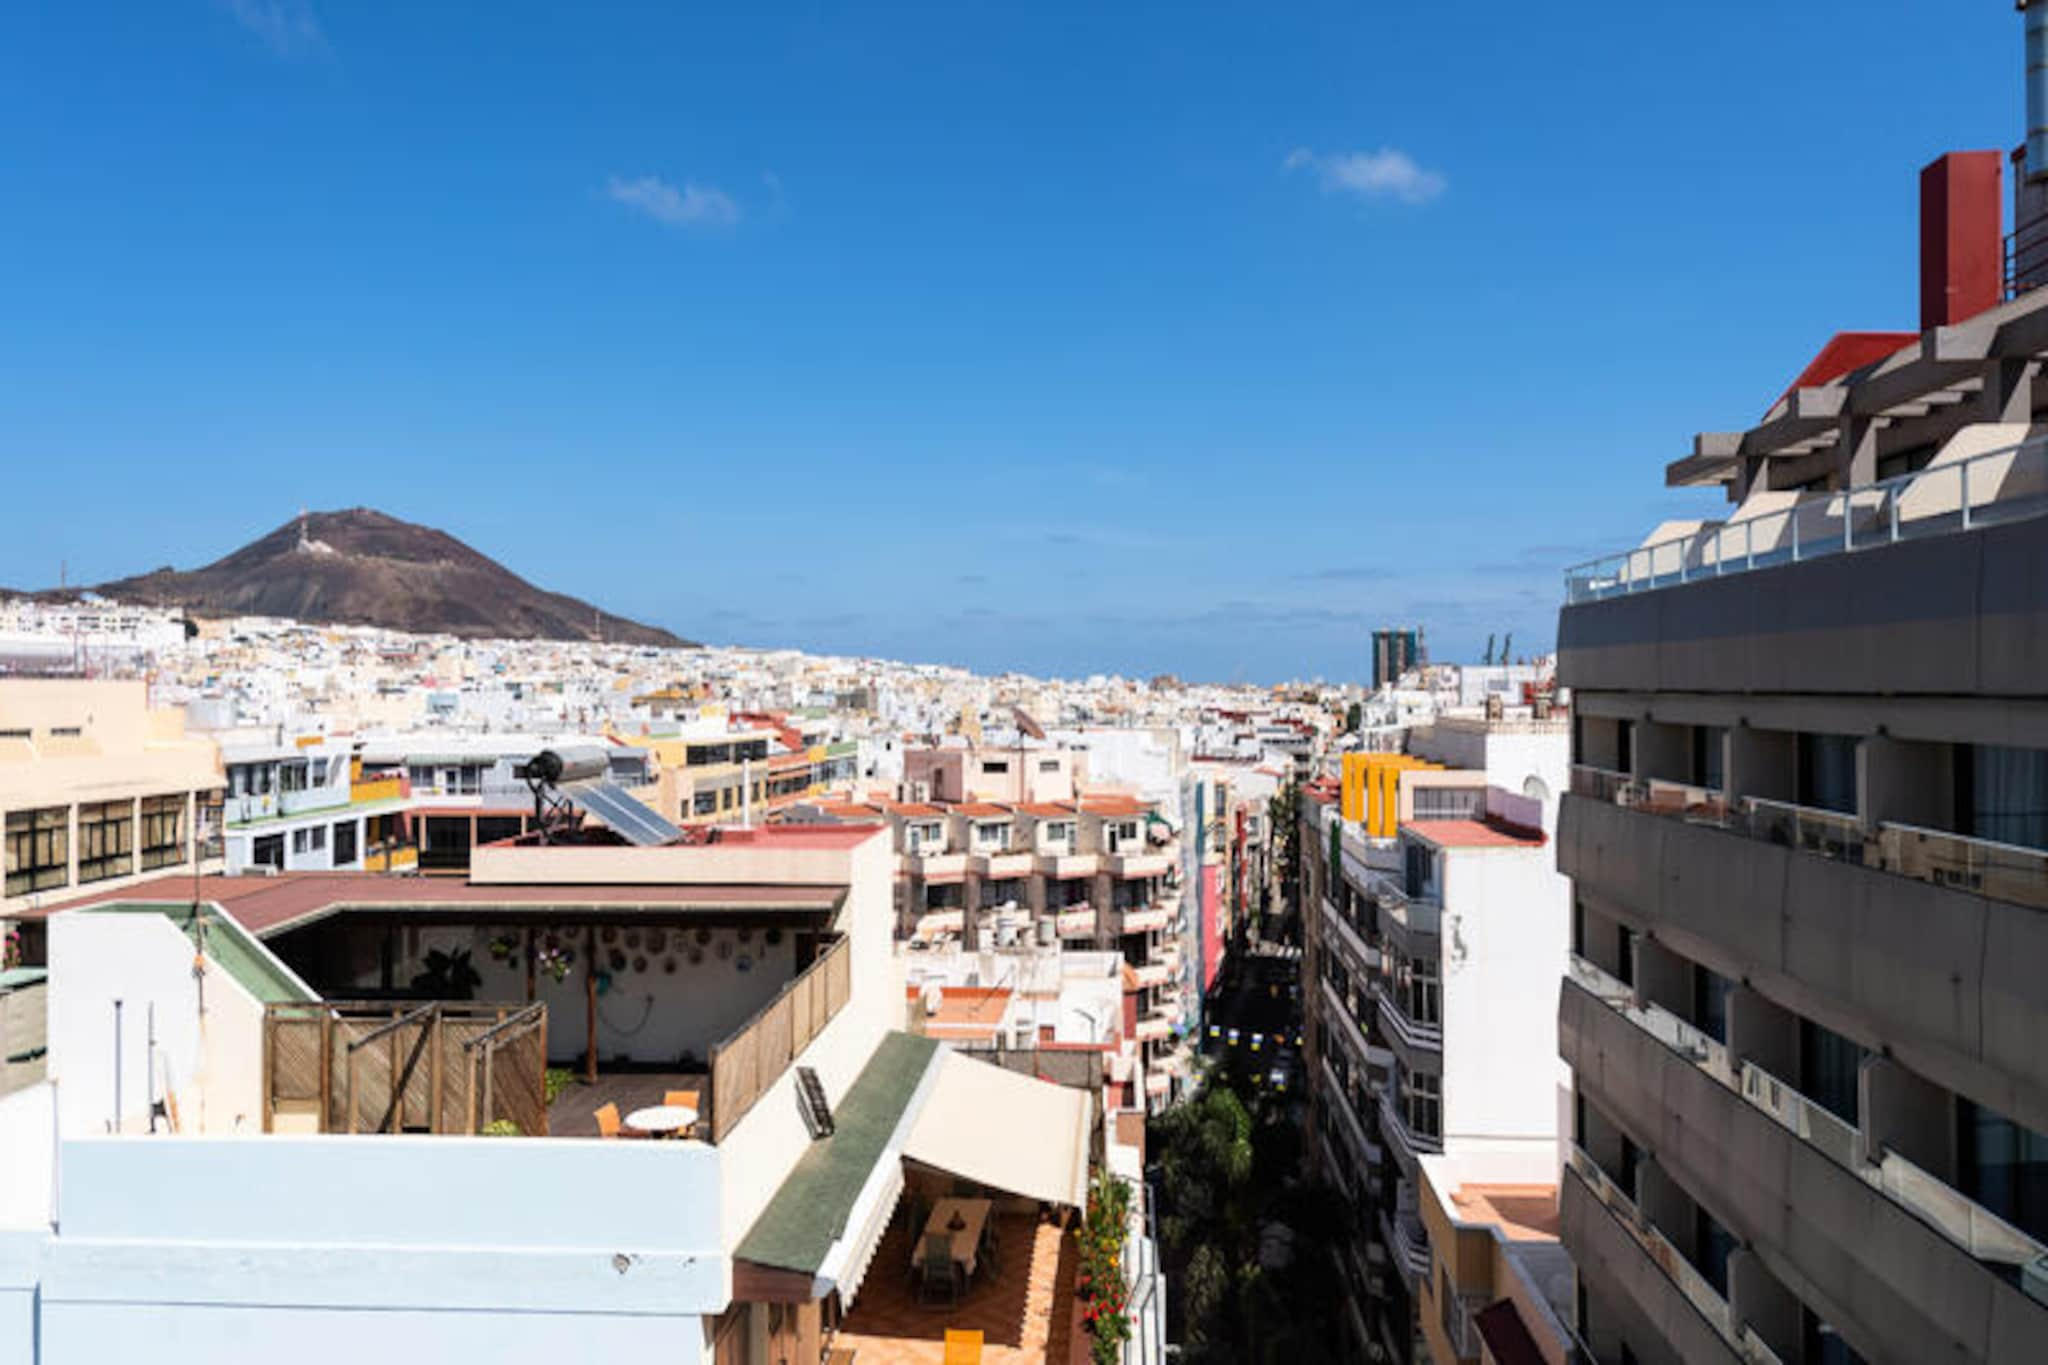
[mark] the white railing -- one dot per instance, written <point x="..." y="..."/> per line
<point x="1417" y="914"/>
<point x="2004" y="872"/>
<point x="1980" y="1233"/>
<point x="1687" y="1280"/>
<point x="2008" y="484"/>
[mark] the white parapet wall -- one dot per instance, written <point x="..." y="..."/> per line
<point x="338" y="1249"/>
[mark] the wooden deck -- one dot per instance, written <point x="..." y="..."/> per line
<point x="1026" y="1313"/>
<point x="574" y="1112"/>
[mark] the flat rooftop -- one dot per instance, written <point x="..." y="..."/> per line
<point x="1523" y="1213"/>
<point x="269" y="904"/>
<point x="1474" y="834"/>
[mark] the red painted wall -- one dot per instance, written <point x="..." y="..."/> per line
<point x="1962" y="241"/>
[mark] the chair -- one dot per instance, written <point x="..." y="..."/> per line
<point x="962" y="1347"/>
<point x="937" y="1271"/>
<point x="607" y="1120"/>
<point x="686" y="1099"/>
<point x="991" y="1253"/>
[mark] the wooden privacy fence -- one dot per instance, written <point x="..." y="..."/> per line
<point x="753" y="1058"/>
<point x="438" y="1067"/>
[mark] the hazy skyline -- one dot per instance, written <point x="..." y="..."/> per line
<point x="1167" y="339"/>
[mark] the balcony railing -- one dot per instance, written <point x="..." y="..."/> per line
<point x="1365" y="1149"/>
<point x="1689" y="1282"/>
<point x="2008" y="484"/>
<point x="754" y="1057"/>
<point x="1417" y="914"/>
<point x="1075" y="921"/>
<point x="1409" y="1241"/>
<point x="1416" y="1034"/>
<point x="2004" y="872"/>
<point x="1406" y="1142"/>
<point x="1980" y="1233"/>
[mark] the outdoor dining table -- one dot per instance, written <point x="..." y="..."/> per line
<point x="966" y="1239"/>
<point x="661" y="1120"/>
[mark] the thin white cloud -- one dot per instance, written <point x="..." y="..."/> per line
<point x="1388" y="173"/>
<point x="691" y="205"/>
<point x="287" y="27"/>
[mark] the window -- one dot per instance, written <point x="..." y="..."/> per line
<point x="1707" y="754"/>
<point x="267" y="851"/>
<point x="1418" y="989"/>
<point x="1048" y="765"/>
<point x="312" y="840"/>
<point x="344" y="843"/>
<point x="1059" y="832"/>
<point x="2004" y="793"/>
<point x="1424" y="1100"/>
<point x="292" y="777"/>
<point x="1449" y="803"/>
<point x="995" y="765"/>
<point x="705" y="803"/>
<point x="106" y="841"/>
<point x="212" y="827"/>
<point x="163" y="831"/>
<point x="1715" y="1243"/>
<point x="38" y="849"/>
<point x="2005" y="1167"/>
<point x="1417" y="868"/>
<point x="423" y="777"/>
<point x="1827" y="772"/>
<point x="1829" y="1065"/>
<point x="1710" y="1002"/>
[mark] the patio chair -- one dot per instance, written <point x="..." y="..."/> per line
<point x="962" y="1347"/>
<point x="937" y="1273"/>
<point x="686" y="1098"/>
<point x="991" y="1253"/>
<point x="607" y="1120"/>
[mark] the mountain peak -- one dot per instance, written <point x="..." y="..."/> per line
<point x="360" y="566"/>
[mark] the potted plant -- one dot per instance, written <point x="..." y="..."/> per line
<point x="1099" y="1282"/>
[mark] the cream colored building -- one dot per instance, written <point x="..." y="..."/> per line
<point x="98" y="788"/>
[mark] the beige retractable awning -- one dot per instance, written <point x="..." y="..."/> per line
<point x="1004" y="1130"/>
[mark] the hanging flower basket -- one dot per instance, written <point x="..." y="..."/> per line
<point x="554" y="958"/>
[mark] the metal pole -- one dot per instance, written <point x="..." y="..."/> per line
<point x="150" y="1078"/>
<point x="117" y="1067"/>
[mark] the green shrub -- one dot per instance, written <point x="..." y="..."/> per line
<point x="503" y="1128"/>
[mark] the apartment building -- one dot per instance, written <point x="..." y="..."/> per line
<point x="304" y="805"/>
<point x="376" y="1119"/>
<point x="1433" y="919"/>
<point x="99" y="789"/>
<point x="1809" y="858"/>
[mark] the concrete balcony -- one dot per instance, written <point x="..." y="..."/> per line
<point x="1133" y="866"/>
<point x="313" y="799"/>
<point x="1950" y="615"/>
<point x="1417" y="919"/>
<point x="1075" y="922"/>
<point x="1145" y="921"/>
<point x="1152" y="974"/>
<point x="1153" y="1028"/>
<point x="1157" y="1083"/>
<point x="1642" y="1280"/>
<point x="1405" y="1143"/>
<point x="1944" y="978"/>
<point x="1063" y="866"/>
<point x="1408" y="1240"/>
<point x="1414" y="1036"/>
<point x="1003" y="866"/>
<point x="934" y="866"/>
<point x="1338" y="1100"/>
<point x="1868" y="1237"/>
<point x="1341" y="930"/>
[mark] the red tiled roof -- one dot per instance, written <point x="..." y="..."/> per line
<point x="1045" y="810"/>
<point x="1475" y="834"/>
<point x="980" y="810"/>
<point x="1114" y="805"/>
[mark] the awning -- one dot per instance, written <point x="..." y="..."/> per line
<point x="1006" y="1131"/>
<point x="825" y="1221"/>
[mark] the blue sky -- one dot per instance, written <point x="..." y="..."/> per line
<point x="1068" y="338"/>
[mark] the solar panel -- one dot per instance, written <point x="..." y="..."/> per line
<point x="627" y="817"/>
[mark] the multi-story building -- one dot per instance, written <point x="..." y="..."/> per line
<point x="1808" y="838"/>
<point x="99" y="789"/>
<point x="1433" y="916"/>
<point x="1102" y="871"/>
<point x="305" y="806"/>
<point x="323" y="1115"/>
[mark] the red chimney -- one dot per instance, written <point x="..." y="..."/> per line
<point x="1962" y="243"/>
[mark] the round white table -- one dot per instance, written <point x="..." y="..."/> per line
<point x="661" y="1120"/>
